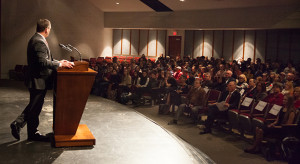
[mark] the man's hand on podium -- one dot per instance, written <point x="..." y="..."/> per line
<point x="66" y="64"/>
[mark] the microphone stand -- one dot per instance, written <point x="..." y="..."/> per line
<point x="69" y="45"/>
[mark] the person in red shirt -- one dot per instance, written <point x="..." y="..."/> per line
<point x="178" y="73"/>
<point x="276" y="97"/>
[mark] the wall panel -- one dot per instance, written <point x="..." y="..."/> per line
<point x="283" y="46"/>
<point x="134" y="42"/>
<point x="117" y="41"/>
<point x="295" y="46"/>
<point x="161" y="42"/>
<point x="152" y="43"/>
<point x="228" y="43"/>
<point x="188" y="43"/>
<point x="126" y="42"/>
<point x="260" y="45"/>
<point x="238" y="45"/>
<point x="218" y="41"/>
<point x="208" y="43"/>
<point x="272" y="45"/>
<point x="249" y="45"/>
<point x="197" y="43"/>
<point x="143" y="42"/>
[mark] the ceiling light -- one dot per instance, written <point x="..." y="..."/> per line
<point x="181" y="0"/>
<point x="117" y="3"/>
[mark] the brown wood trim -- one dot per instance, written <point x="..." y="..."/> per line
<point x="254" y="48"/>
<point x="147" y="42"/>
<point x="156" y="42"/>
<point x="266" y="45"/>
<point x="139" y="42"/>
<point x="203" y="33"/>
<point x="193" y="44"/>
<point x="0" y="40"/>
<point x="213" y="44"/>
<point x="223" y="35"/>
<point x="233" y="36"/>
<point x="290" y="43"/>
<point x="121" y="41"/>
<point x="244" y="44"/>
<point x="277" y="45"/>
<point x="166" y="37"/>
<point x="130" y="42"/>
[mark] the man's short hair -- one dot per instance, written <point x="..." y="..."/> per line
<point x="42" y="24"/>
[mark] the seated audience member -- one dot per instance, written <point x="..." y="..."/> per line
<point x="221" y="71"/>
<point x="290" y="77"/>
<point x="242" y="83"/>
<point x="177" y="73"/>
<point x="274" y="129"/>
<point x="248" y="73"/>
<point x="276" y="97"/>
<point x="125" y="84"/>
<point x="229" y="100"/>
<point x="195" y="98"/>
<point x="207" y="82"/>
<point x="297" y="97"/>
<point x="289" y="69"/>
<point x="228" y="77"/>
<point x="191" y="79"/>
<point x="261" y="92"/>
<point x="143" y="80"/>
<point x="220" y="84"/>
<point x="251" y="90"/>
<point x="182" y="88"/>
<point x="114" y="81"/>
<point x="288" y="88"/>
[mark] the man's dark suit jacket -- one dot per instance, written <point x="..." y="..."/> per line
<point x="234" y="99"/>
<point x="40" y="64"/>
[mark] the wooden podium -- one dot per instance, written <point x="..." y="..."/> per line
<point x="71" y="92"/>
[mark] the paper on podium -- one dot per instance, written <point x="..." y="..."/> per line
<point x="221" y="106"/>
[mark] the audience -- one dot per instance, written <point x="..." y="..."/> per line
<point x="184" y="82"/>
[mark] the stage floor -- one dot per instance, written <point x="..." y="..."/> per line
<point x="122" y="135"/>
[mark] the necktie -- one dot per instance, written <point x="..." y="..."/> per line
<point x="228" y="97"/>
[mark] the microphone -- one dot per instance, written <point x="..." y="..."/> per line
<point x="69" y="45"/>
<point x="65" y="47"/>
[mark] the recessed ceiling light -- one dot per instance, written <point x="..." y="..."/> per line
<point x="117" y="3"/>
<point x="181" y="0"/>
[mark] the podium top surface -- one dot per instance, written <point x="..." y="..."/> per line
<point x="79" y="68"/>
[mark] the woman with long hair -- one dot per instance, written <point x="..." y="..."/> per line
<point x="274" y="129"/>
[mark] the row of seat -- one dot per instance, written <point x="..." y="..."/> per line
<point x="250" y="113"/>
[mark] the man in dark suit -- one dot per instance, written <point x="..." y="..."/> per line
<point x="39" y="79"/>
<point x="229" y="99"/>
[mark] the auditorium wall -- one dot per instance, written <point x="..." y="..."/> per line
<point x="78" y="23"/>
<point x="281" y="45"/>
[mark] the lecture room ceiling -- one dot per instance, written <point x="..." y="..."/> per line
<point x="177" y="5"/>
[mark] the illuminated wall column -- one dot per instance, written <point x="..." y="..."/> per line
<point x="189" y="43"/>
<point x="249" y="45"/>
<point x="143" y="42"/>
<point x="238" y="45"/>
<point x="208" y="43"/>
<point x="152" y="43"/>
<point x="198" y="43"/>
